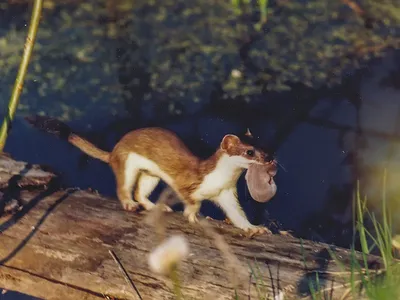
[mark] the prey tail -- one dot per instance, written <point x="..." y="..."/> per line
<point x="63" y="131"/>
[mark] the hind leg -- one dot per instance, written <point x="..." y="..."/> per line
<point x="191" y="211"/>
<point x="145" y="185"/>
<point x="124" y="190"/>
<point x="125" y="182"/>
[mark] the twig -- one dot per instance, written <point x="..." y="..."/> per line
<point x="19" y="81"/>
<point x="237" y="272"/>
<point x="248" y="291"/>
<point x="156" y="216"/>
<point x="354" y="7"/>
<point x="360" y="12"/>
<point x="126" y="276"/>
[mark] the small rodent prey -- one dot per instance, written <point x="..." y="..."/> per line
<point x="260" y="182"/>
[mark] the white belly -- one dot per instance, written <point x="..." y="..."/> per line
<point x="136" y="162"/>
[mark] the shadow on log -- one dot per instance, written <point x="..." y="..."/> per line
<point x="59" y="249"/>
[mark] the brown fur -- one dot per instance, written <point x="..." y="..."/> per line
<point x="173" y="157"/>
<point x="165" y="152"/>
<point x="89" y="148"/>
<point x="169" y="152"/>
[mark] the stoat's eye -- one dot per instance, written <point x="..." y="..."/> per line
<point x="250" y="152"/>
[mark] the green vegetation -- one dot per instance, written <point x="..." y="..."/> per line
<point x="177" y="52"/>
<point x="262" y="7"/>
<point x="19" y="81"/>
<point x="373" y="284"/>
<point x="363" y="280"/>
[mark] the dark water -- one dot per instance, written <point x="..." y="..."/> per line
<point x="326" y="140"/>
<point x="316" y="180"/>
<point x="11" y="295"/>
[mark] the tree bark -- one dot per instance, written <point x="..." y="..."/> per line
<point x="57" y="247"/>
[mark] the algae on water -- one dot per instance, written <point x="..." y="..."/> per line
<point x="177" y="52"/>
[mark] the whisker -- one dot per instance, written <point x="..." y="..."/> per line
<point x="280" y="165"/>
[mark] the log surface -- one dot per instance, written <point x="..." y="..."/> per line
<point x="22" y="174"/>
<point x="58" y="248"/>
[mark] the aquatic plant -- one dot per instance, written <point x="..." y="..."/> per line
<point x="22" y="71"/>
<point x="90" y="57"/>
<point x="365" y="282"/>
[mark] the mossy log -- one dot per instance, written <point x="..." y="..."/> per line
<point x="57" y="247"/>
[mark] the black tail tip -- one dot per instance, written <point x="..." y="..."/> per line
<point x="49" y="125"/>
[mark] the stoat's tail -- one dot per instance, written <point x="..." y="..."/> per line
<point x="63" y="131"/>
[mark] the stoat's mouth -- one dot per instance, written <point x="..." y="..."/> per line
<point x="271" y="180"/>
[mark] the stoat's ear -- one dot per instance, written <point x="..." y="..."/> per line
<point x="229" y="141"/>
<point x="248" y="133"/>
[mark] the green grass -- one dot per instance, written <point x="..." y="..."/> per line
<point x="374" y="237"/>
<point x="19" y="81"/>
<point x="238" y="5"/>
<point x="375" y="284"/>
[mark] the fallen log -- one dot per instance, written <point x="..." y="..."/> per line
<point x="22" y="174"/>
<point x="58" y="247"/>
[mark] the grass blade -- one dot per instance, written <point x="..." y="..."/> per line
<point x="23" y="67"/>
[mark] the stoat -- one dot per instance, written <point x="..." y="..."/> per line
<point x="144" y="156"/>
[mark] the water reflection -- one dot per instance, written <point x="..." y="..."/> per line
<point x="325" y="139"/>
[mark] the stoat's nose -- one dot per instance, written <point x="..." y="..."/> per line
<point x="269" y="158"/>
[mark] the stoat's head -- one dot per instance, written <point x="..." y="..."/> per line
<point x="243" y="152"/>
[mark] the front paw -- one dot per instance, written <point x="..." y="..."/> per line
<point x="166" y="208"/>
<point x="192" y="217"/>
<point x="257" y="230"/>
<point x="227" y="221"/>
